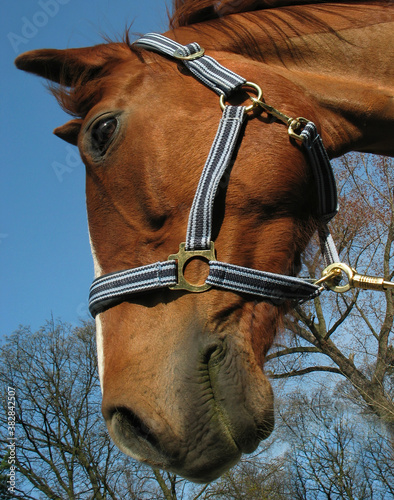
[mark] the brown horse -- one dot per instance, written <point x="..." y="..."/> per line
<point x="182" y="373"/>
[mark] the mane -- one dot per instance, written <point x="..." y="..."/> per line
<point x="212" y="17"/>
<point x="215" y="17"/>
<point x="188" y="12"/>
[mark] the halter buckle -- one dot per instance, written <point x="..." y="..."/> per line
<point x="178" y="55"/>
<point x="183" y="257"/>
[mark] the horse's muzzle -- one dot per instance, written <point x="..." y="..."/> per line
<point x="219" y="412"/>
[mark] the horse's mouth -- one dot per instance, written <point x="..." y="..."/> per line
<point x="220" y="419"/>
<point x="197" y="464"/>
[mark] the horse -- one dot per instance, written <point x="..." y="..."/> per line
<point x="181" y="373"/>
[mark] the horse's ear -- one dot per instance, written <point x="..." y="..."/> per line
<point x="69" y="131"/>
<point x="64" y="66"/>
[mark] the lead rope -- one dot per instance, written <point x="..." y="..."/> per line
<point x="108" y="290"/>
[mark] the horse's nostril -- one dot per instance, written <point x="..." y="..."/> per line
<point x="132" y="427"/>
<point x="135" y="437"/>
<point x="213" y="353"/>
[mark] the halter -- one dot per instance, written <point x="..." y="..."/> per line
<point x="111" y="289"/>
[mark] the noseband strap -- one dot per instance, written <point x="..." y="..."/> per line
<point x="111" y="289"/>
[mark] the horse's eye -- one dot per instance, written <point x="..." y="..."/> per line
<point x="102" y="134"/>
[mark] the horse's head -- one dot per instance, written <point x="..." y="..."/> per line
<point x="181" y="373"/>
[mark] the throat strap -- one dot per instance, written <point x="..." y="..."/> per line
<point x="322" y="172"/>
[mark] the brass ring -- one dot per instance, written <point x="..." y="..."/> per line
<point x="342" y="267"/>
<point x="252" y="106"/>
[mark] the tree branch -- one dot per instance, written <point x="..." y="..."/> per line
<point x="297" y="373"/>
<point x="292" y="350"/>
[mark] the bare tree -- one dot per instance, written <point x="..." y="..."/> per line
<point x="257" y="477"/>
<point x="334" y="453"/>
<point x="351" y="334"/>
<point x="62" y="447"/>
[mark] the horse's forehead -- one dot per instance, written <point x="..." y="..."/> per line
<point x="122" y="83"/>
<point x="153" y="69"/>
<point x="126" y="84"/>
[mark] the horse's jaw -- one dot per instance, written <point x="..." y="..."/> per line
<point x="205" y="403"/>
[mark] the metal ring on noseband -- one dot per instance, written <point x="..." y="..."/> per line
<point x="183" y="257"/>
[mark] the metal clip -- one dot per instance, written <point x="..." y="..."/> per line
<point x="273" y="111"/>
<point x="331" y="275"/>
<point x="355" y="280"/>
<point x="296" y="124"/>
<point x="292" y="123"/>
<point x="183" y="257"/>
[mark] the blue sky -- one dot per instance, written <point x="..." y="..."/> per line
<point x="46" y="266"/>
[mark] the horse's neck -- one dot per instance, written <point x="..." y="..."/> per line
<point x="350" y="74"/>
<point x="346" y="71"/>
